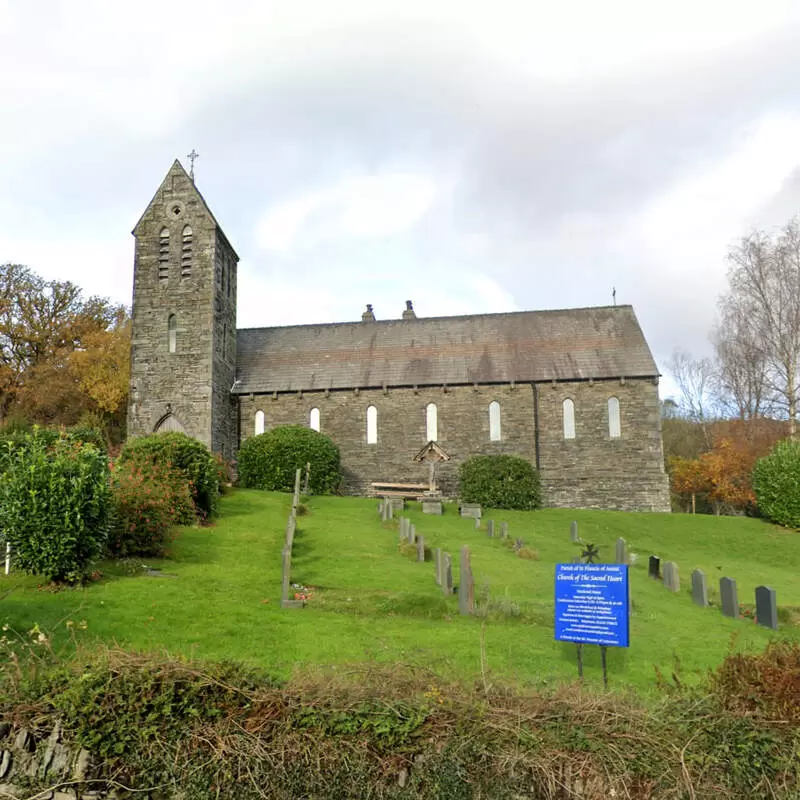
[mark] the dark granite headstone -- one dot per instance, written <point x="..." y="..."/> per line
<point x="490" y="528"/>
<point x="729" y="597"/>
<point x="699" y="588"/>
<point x="766" y="607"/>
<point x="654" y="567"/>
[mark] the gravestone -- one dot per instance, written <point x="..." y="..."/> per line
<point x="447" y="574"/>
<point x="504" y="530"/>
<point x="466" y="588"/>
<point x="766" y="607"/>
<point x="420" y="548"/>
<point x="699" y="588"/>
<point x="432" y="507"/>
<point x="654" y="567"/>
<point x="671" y="578"/>
<point x="619" y="553"/>
<point x="490" y="528"/>
<point x="412" y="533"/>
<point x="380" y="507"/>
<point x="437" y="560"/>
<point x="573" y="533"/>
<point x="477" y="523"/>
<point x="518" y="544"/>
<point x="470" y="510"/>
<point x="404" y="527"/>
<point x="398" y="503"/>
<point x="389" y="509"/>
<point x="729" y="597"/>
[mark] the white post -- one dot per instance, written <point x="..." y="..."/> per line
<point x="8" y="557"/>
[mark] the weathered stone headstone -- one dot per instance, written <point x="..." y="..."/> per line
<point x="766" y="607"/>
<point x="432" y="507"/>
<point x="654" y="567"/>
<point x="398" y="503"/>
<point x="699" y="588"/>
<point x="729" y="597"/>
<point x="412" y="533"/>
<point x="504" y="530"/>
<point x="447" y="574"/>
<point x="518" y="544"/>
<point x="620" y="554"/>
<point x="389" y="508"/>
<point x="477" y="523"/>
<point x="671" y="578"/>
<point x="437" y="559"/>
<point x="470" y="510"/>
<point x="403" y="527"/>
<point x="490" y="528"/>
<point x="573" y="533"/>
<point x="420" y="548"/>
<point x="466" y="588"/>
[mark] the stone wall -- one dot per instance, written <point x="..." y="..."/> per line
<point x="591" y="471"/>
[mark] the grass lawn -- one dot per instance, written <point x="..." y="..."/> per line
<point x="219" y="595"/>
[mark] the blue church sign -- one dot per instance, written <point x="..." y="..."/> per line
<point x="592" y="604"/>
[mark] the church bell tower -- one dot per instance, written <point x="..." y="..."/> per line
<point x="183" y="348"/>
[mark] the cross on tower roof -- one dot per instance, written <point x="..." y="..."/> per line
<point x="192" y="156"/>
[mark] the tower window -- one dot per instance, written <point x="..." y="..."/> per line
<point x="172" y="333"/>
<point x="372" y="425"/>
<point x="614" y="426"/>
<point x="163" y="254"/>
<point x="494" y="421"/>
<point x="186" y="253"/>
<point x="313" y="419"/>
<point x="568" y="408"/>
<point x="259" y="422"/>
<point x="431" y="423"/>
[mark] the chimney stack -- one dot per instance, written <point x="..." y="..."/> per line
<point x="409" y="312"/>
<point x="368" y="315"/>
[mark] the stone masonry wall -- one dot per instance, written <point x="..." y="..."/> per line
<point x="591" y="471"/>
<point x="463" y="428"/>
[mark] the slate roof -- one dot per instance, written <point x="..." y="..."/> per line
<point x="524" y="346"/>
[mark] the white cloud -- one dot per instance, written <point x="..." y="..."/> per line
<point x="357" y="207"/>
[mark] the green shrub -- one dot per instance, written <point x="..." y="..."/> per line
<point x="269" y="460"/>
<point x="776" y="482"/>
<point x="54" y="505"/>
<point x="190" y="457"/>
<point x="500" y="482"/>
<point x="148" y="501"/>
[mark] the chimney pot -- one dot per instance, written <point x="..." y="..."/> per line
<point x="368" y="315"/>
<point x="409" y="312"/>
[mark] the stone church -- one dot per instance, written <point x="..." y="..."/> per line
<point x="573" y="391"/>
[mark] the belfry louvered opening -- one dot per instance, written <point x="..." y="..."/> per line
<point x="186" y="253"/>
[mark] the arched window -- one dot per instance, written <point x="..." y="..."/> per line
<point x="172" y="333"/>
<point x="614" y="426"/>
<point x="313" y="419"/>
<point x="569" y="419"/>
<point x="494" y="421"/>
<point x="259" y="422"/>
<point x="372" y="425"/>
<point x="186" y="253"/>
<point x="431" y="423"/>
<point x="163" y="254"/>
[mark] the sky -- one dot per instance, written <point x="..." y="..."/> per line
<point x="473" y="157"/>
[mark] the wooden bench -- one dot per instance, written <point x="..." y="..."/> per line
<point x="408" y="491"/>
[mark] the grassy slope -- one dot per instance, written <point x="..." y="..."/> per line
<point x="374" y="603"/>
